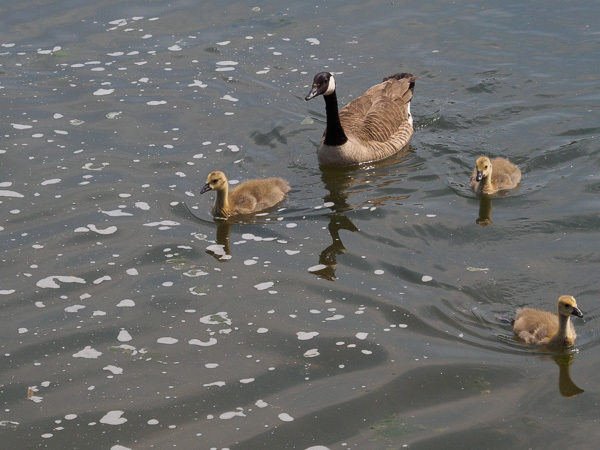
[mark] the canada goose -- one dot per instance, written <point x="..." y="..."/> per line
<point x="490" y="176"/>
<point x="544" y="328"/>
<point x="247" y="198"/>
<point x="369" y="128"/>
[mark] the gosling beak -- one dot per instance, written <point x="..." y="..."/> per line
<point x="576" y="312"/>
<point x="206" y="188"/>
<point x="479" y="175"/>
<point x="312" y="94"/>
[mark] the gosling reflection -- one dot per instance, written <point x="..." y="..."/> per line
<point x="566" y="386"/>
<point x="485" y="211"/>
<point x="221" y="250"/>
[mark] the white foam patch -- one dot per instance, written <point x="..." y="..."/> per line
<point x="74" y="308"/>
<point x="101" y="279"/>
<point x="231" y="415"/>
<point x="124" y="336"/>
<point x="127" y="303"/>
<point x="104" y="91"/>
<point x="88" y="353"/>
<point x="95" y="229"/>
<point x="113" y="418"/>
<point x="263" y="286"/>
<point x="142" y="205"/>
<point x="7" y="193"/>
<point x="52" y="181"/>
<point x="209" y="343"/>
<point x="426" y="278"/>
<point x="313" y="41"/>
<point x="312" y="353"/>
<point x="219" y="318"/>
<point x="285" y="417"/>
<point x="261" y="404"/>
<point x="7" y="291"/>
<point x="229" y="98"/>
<point x="156" y="102"/>
<point x="132" y="272"/>
<point x="305" y="336"/>
<point x="20" y="126"/>
<point x="361" y="336"/>
<point x="198" y="83"/>
<point x="216" y="383"/>
<point x="113" y="369"/>
<point x="117" y="213"/>
<point x="163" y="224"/>
<point x="335" y="317"/>
<point x="167" y="340"/>
<point x="50" y="282"/>
<point x="317" y="268"/>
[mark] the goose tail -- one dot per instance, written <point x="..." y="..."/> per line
<point x="400" y="76"/>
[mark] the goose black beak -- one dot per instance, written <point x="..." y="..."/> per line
<point x="479" y="175"/>
<point x="312" y="94"/>
<point x="576" y="312"/>
<point x="206" y="188"/>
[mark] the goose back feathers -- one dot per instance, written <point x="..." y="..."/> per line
<point x="369" y="128"/>
<point x="249" y="197"/>
<point x="491" y="176"/>
<point x="544" y="328"/>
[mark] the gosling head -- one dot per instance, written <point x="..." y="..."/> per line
<point x="567" y="306"/>
<point x="323" y="84"/>
<point x="484" y="167"/>
<point x="215" y="181"/>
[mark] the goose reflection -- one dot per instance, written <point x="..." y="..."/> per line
<point x="340" y="184"/>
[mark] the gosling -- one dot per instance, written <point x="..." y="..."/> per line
<point x="544" y="328"/>
<point x="249" y="197"/>
<point x="490" y="177"/>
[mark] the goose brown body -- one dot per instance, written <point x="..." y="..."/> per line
<point x="538" y="327"/>
<point x="369" y="128"/>
<point x="491" y="176"/>
<point x="249" y="197"/>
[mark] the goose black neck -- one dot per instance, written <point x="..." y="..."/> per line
<point x="334" y="133"/>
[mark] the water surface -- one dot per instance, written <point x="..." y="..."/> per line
<point x="361" y="313"/>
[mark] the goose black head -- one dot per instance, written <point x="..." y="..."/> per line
<point x="323" y="84"/>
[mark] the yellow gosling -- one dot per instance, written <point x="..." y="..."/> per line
<point x="491" y="176"/>
<point x="537" y="327"/>
<point x="249" y="197"/>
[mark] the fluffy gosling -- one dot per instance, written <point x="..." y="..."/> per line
<point x="249" y="197"/>
<point x="491" y="176"/>
<point x="545" y="328"/>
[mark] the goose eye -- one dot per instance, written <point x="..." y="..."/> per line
<point x="215" y="180"/>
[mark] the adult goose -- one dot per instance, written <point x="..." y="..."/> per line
<point x="249" y="197"/>
<point x="491" y="176"/>
<point x="544" y="328"/>
<point x="369" y="128"/>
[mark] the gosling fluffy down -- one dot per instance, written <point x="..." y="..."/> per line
<point x="491" y="176"/>
<point x="249" y="197"/>
<point x="369" y="128"/>
<point x="545" y="328"/>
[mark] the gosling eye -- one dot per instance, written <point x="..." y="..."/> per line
<point x="215" y="180"/>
